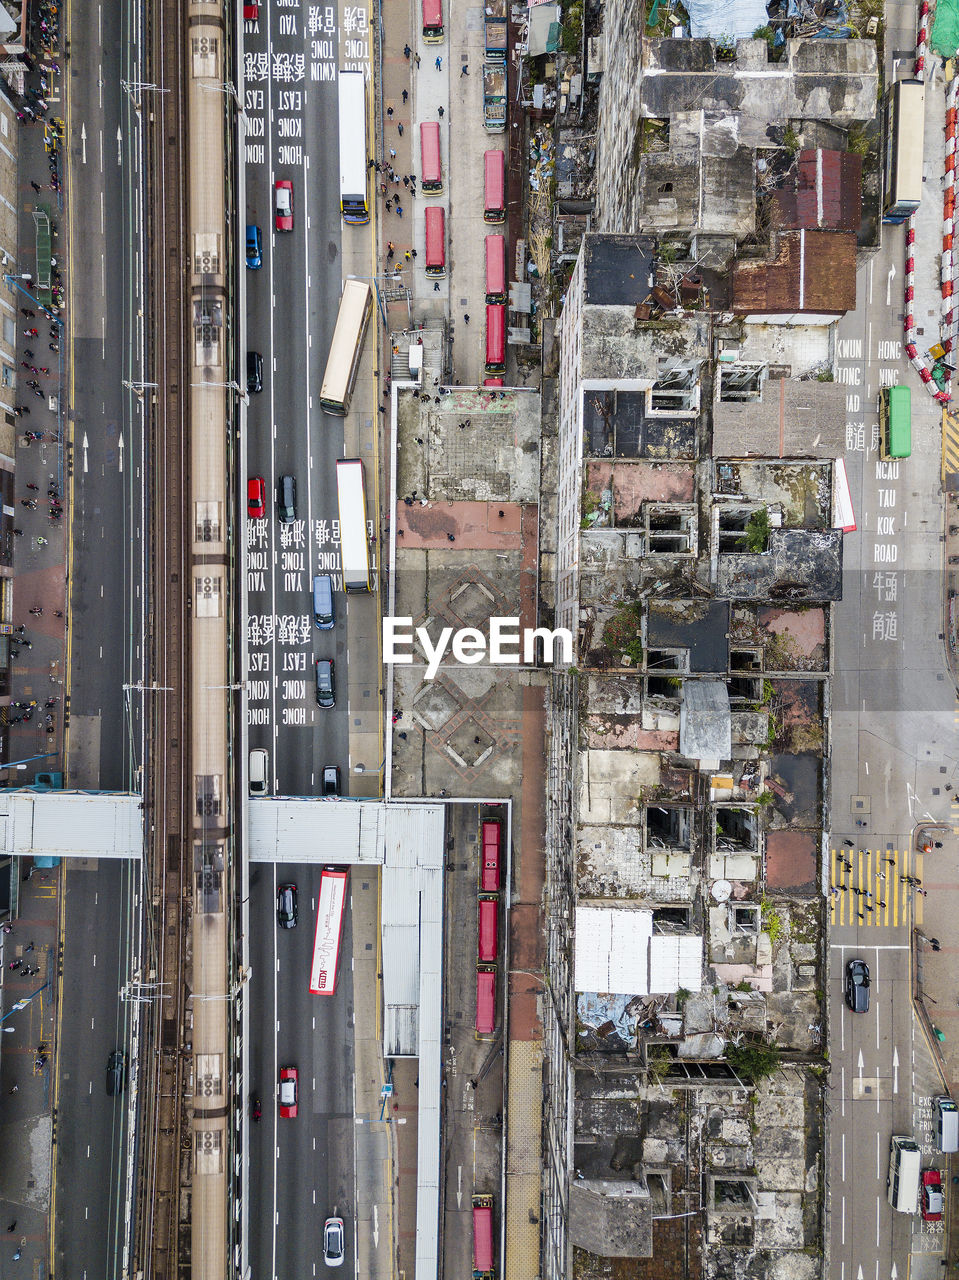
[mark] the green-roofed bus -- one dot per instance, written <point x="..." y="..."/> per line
<point x="895" y="422"/>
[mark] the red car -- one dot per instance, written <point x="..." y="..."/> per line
<point x="251" y="13"/>
<point x="256" y="497"/>
<point x="289" y="1088"/>
<point x="932" y="1200"/>
<point x="283" y="202"/>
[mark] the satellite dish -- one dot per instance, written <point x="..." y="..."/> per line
<point x="721" y="890"/>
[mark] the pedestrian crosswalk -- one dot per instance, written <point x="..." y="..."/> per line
<point x="875" y="888"/>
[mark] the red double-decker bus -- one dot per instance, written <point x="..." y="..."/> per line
<point x="329" y="931"/>
<point x="485" y="1000"/>
<point x="494" y="187"/>
<point x="490" y="839"/>
<point x="483" y="1237"/>
<point x="433" y="21"/>
<point x="488" y="945"/>
<point x="495" y="268"/>
<point x="431" y="165"/>
<point x="435" y="241"/>
<point x="495" y="338"/>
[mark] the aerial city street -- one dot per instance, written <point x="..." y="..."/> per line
<point x="479" y="645"/>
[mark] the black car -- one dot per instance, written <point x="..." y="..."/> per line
<point x="287" y="912"/>
<point x="116" y="1073"/>
<point x="857" y="986"/>
<point x="331" y="779"/>
<point x="286" y="499"/>
<point x="254" y="371"/>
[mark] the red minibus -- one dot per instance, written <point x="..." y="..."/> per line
<point x="486" y="1000"/>
<point x="490" y="839"/>
<point x="433" y="21"/>
<point x="494" y="186"/>
<point x="492" y="382"/>
<point x="488" y="929"/>
<point x="435" y="241"/>
<point x="495" y="268"/>
<point x="495" y="337"/>
<point x="482" y="1236"/>
<point x="431" y="168"/>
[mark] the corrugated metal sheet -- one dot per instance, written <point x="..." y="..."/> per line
<point x="612" y="950"/>
<point x="809" y="271"/>
<point x="674" y="963"/>
<point x="77" y="824"/>
<point x="705" y="726"/>
<point x="827" y="195"/>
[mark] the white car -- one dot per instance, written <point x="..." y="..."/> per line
<point x="333" y="1242"/>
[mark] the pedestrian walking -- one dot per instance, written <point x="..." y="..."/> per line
<point x="25" y="311"/>
<point x="31" y="333"/>
<point x="464" y="70"/>
<point x="438" y="63"/>
<point x="406" y="52"/>
<point x="29" y="502"/>
<point x="937" y="844"/>
<point x="28" y="353"/>
<point x="399" y="129"/>
<point x="18" y="1255"/>
<point x="389" y="251"/>
<point x="924" y="892"/>
<point x="389" y="113"/>
<point x="389" y="205"/>
<point x="416" y="59"/>
<point x="399" y="211"/>
<point x="440" y="112"/>
<point x="58" y="613"/>
<point x="882" y="902"/>
<point x="408" y="256"/>
<point x="413" y="254"/>
<point x="36" y="186"/>
<point x="406" y="94"/>
<point x="905" y="879"/>
<point x="33" y="486"/>
<point x="466" y="317"/>
<point x="834" y="891"/>
<point x="30" y="946"/>
<point x="406" y="181"/>
<point x="37" y="610"/>
<point x="861" y="916"/>
<point x="392" y="157"/>
<point x="451" y="537"/>
<point x="41" y="542"/>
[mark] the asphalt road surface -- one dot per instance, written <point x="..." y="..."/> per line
<point x="292" y="304"/>
<point x="91" y="1127"/>
<point x="301" y="1170"/>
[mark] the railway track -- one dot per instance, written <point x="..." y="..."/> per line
<point x="162" y="1237"/>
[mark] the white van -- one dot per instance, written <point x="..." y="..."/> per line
<point x="945" y="1115"/>
<point x="259" y="768"/>
<point x="902" y="1182"/>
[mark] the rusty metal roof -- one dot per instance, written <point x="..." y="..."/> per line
<point x="809" y="271"/>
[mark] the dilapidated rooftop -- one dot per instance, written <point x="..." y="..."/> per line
<point x="788" y="419"/>
<point x="797" y="566"/>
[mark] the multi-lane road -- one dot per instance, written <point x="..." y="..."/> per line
<point x="893" y="753"/>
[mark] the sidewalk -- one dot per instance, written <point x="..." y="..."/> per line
<point x="26" y="1090"/>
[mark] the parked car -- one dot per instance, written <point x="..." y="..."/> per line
<point x="254" y="247"/>
<point x="933" y="1201"/>
<point x="289" y="1092"/>
<point x="254" y="372"/>
<point x="116" y="1073"/>
<point x="259" y="771"/>
<point x="331" y="779"/>
<point x="857" y="986"/>
<point x="333" y="1242"/>
<point x="325" y="684"/>
<point x="256" y="497"/>
<point x="283" y="204"/>
<point x="286" y="499"/>
<point x="287" y="912"/>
